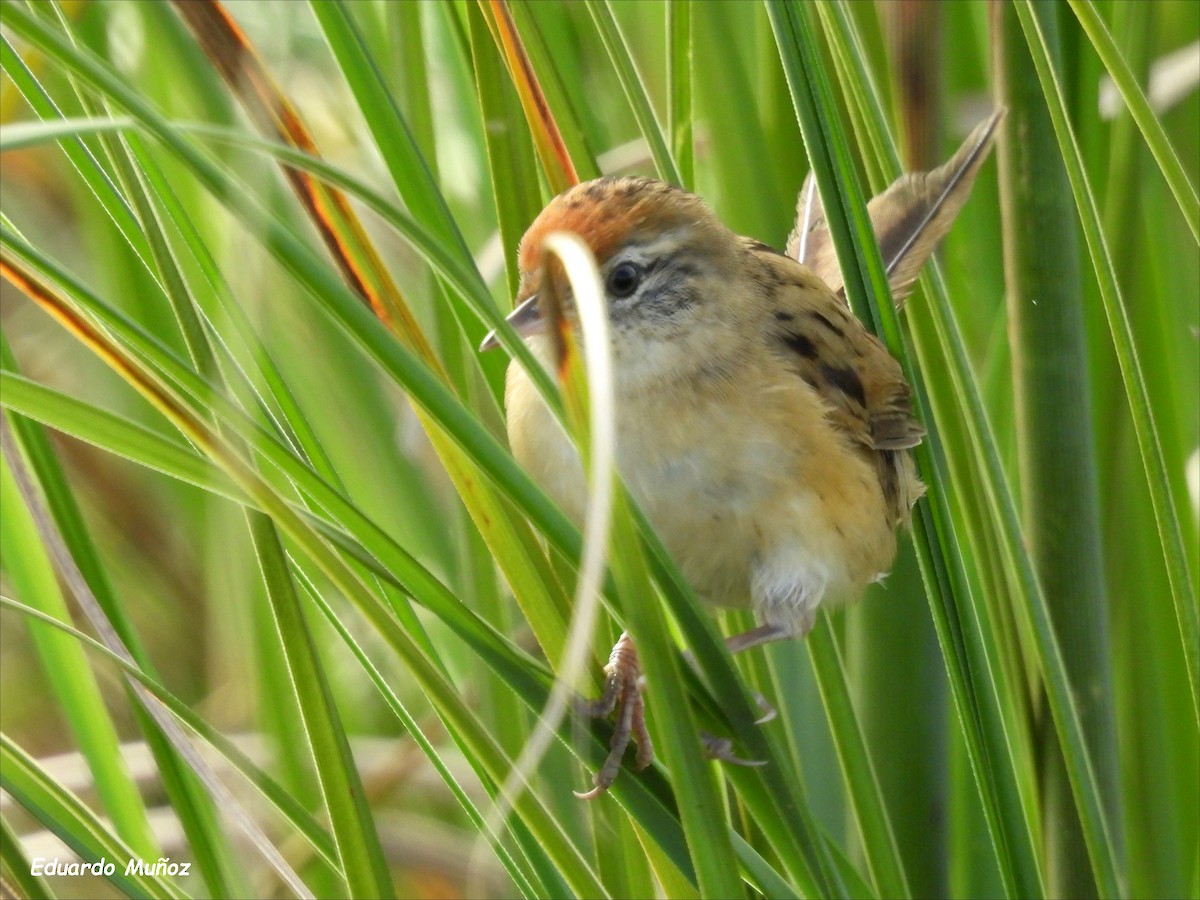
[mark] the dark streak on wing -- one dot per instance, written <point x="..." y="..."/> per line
<point x="824" y="320"/>
<point x="802" y="345"/>
<point x="845" y="380"/>
<point x="760" y="247"/>
<point x="860" y="385"/>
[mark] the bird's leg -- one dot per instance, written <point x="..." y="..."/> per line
<point x="622" y="693"/>
<point x="763" y="634"/>
<point x="755" y="637"/>
<point x="722" y="748"/>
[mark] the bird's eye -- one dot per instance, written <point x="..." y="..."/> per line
<point x="624" y="280"/>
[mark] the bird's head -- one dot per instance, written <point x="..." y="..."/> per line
<point x="666" y="264"/>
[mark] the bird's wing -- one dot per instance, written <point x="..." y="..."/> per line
<point x="862" y="386"/>
<point x="844" y="363"/>
<point x="910" y="218"/>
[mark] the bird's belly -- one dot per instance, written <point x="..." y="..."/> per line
<point x="702" y="494"/>
<point x="747" y="517"/>
<point x="703" y="497"/>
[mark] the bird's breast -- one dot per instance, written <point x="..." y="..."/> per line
<point x="733" y="478"/>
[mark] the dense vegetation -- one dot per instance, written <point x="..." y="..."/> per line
<point x="325" y="606"/>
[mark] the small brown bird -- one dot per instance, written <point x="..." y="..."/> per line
<point x="761" y="427"/>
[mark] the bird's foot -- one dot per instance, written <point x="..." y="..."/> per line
<point x="767" y="712"/>
<point x="722" y="749"/>
<point x="622" y="694"/>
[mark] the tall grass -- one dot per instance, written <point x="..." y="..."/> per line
<point x="278" y="603"/>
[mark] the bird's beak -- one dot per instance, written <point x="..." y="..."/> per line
<point x="526" y="319"/>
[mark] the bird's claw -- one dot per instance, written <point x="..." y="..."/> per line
<point x="722" y="749"/>
<point x="768" y="712"/>
<point x="736" y="643"/>
<point x="622" y="694"/>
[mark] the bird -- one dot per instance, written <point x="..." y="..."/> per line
<point x="764" y="431"/>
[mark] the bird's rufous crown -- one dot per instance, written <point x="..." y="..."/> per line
<point x="611" y="212"/>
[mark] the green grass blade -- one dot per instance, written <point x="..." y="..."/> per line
<point x="982" y="704"/>
<point x="878" y="841"/>
<point x="77" y="826"/>
<point x="17" y="870"/>
<point x="391" y="133"/>
<point x="680" y="112"/>
<point x="32" y="573"/>
<point x="359" y="850"/>
<point x="1139" y="107"/>
<point x="510" y="153"/>
<point x="28" y="135"/>
<point x="1054" y="419"/>
<point x="635" y="89"/>
<point x="1162" y="486"/>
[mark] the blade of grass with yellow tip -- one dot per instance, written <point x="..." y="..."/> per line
<point x="448" y="702"/>
<point x="558" y="163"/>
<point x="238" y="63"/>
<point x="230" y="51"/>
